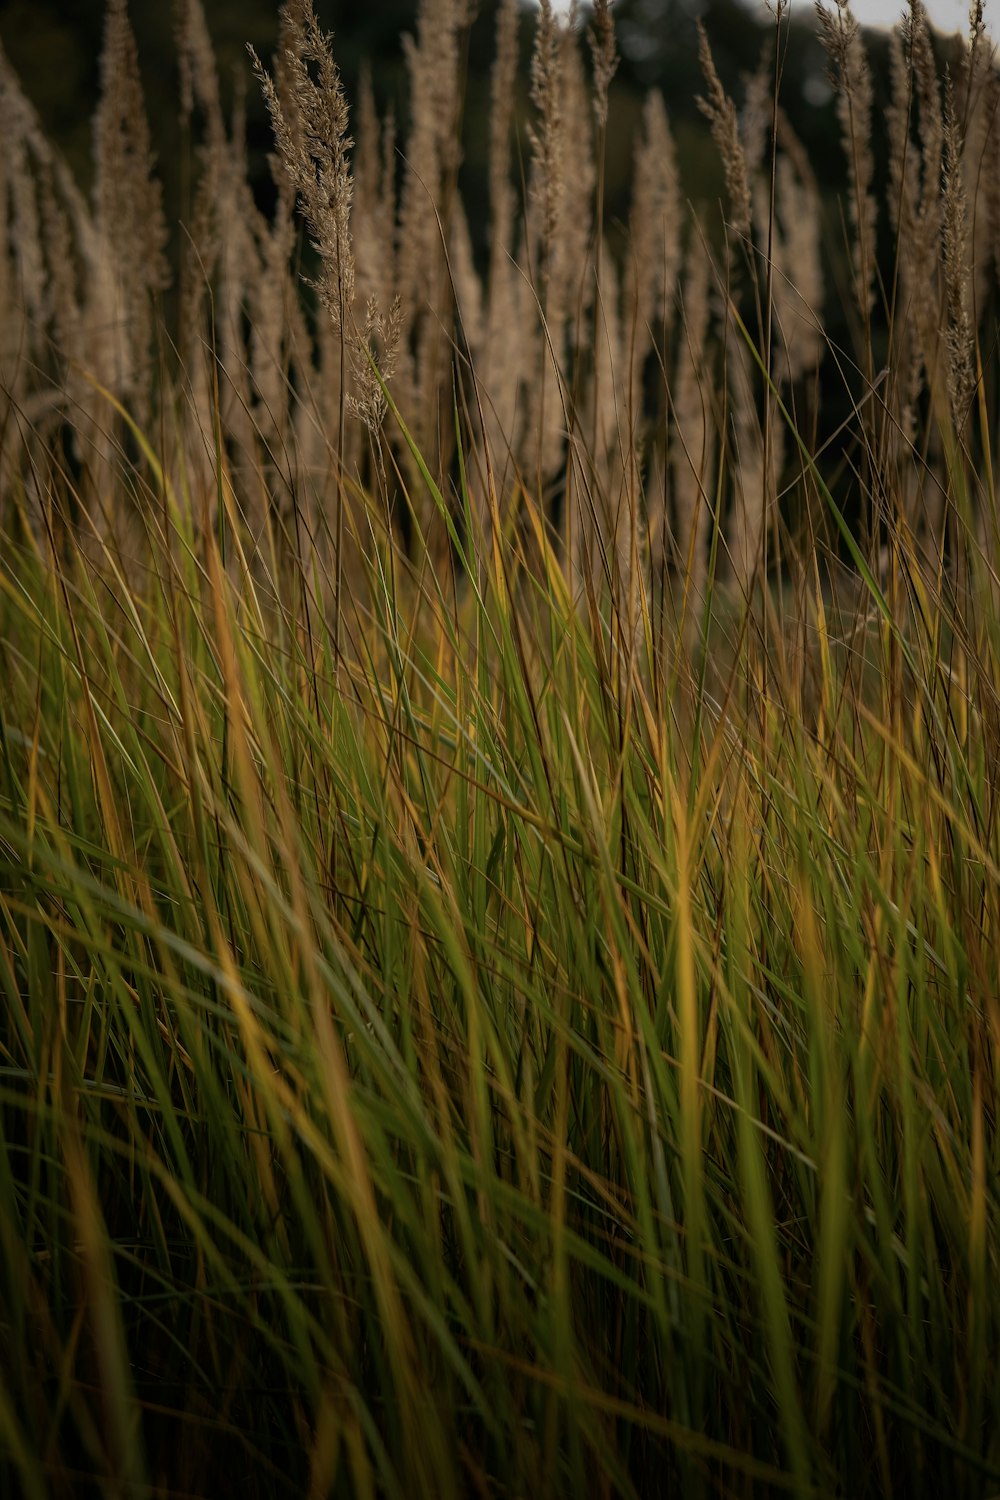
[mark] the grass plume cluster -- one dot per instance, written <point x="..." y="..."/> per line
<point x="499" y="835"/>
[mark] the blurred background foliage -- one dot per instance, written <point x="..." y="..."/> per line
<point x="55" y="46"/>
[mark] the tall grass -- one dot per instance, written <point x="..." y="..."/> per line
<point x="499" y="837"/>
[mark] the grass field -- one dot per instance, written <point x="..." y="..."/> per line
<point x="499" y="832"/>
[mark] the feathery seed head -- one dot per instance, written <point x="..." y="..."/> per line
<point x="21" y="238"/>
<point x="654" y="234"/>
<point x="604" y="52"/>
<point x="310" y="123"/>
<point x="198" y="73"/>
<point x="501" y="117"/>
<point x="128" y="206"/>
<point x="547" y="140"/>
<point x="955" y="251"/>
<point x="720" y="112"/>
<point x="851" y="78"/>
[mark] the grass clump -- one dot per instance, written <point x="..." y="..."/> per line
<point x="499" y="853"/>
